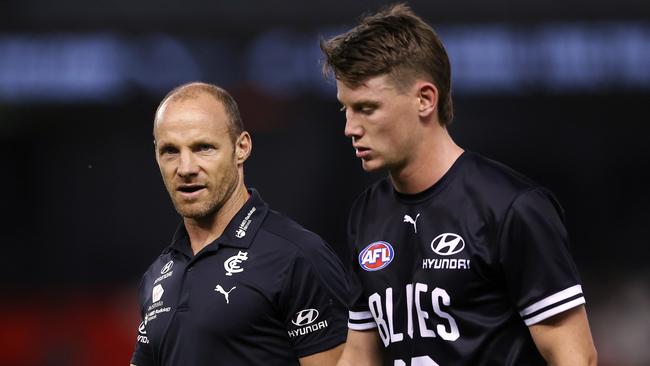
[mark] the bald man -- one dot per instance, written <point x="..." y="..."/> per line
<point x="239" y="284"/>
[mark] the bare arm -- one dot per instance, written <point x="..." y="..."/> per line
<point x="362" y="349"/>
<point x="565" y="339"/>
<point x="325" y="358"/>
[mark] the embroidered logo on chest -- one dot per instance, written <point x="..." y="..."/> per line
<point x="233" y="264"/>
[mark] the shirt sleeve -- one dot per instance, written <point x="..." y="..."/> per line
<point x="541" y="277"/>
<point x="359" y="315"/>
<point x="314" y="300"/>
<point x="142" y="355"/>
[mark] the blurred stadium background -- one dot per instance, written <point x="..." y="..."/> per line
<point x="558" y="90"/>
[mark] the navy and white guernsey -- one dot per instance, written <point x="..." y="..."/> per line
<point x="455" y="274"/>
<point x="266" y="292"/>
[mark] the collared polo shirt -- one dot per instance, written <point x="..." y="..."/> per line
<point x="266" y="292"/>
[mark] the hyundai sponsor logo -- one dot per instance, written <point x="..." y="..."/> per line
<point x="447" y="244"/>
<point x="305" y="317"/>
<point x="167" y="267"/>
<point x="306" y="320"/>
<point x="142" y="336"/>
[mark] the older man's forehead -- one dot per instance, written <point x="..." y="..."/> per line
<point x="201" y="103"/>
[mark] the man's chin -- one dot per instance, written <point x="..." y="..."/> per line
<point x="371" y="166"/>
<point x="194" y="212"/>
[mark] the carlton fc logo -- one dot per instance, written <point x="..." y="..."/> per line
<point x="447" y="244"/>
<point x="376" y="256"/>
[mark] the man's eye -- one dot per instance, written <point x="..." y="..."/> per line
<point x="168" y="150"/>
<point x="366" y="110"/>
<point x="206" y="147"/>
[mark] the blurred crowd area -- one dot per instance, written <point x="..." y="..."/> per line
<point x="560" y="95"/>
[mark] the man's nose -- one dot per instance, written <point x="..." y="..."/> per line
<point x="353" y="128"/>
<point x="187" y="165"/>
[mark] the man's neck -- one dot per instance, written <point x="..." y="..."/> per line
<point x="428" y="165"/>
<point x="204" y="231"/>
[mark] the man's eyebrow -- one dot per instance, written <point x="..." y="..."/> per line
<point x="163" y="145"/>
<point x="365" y="103"/>
<point x="203" y="142"/>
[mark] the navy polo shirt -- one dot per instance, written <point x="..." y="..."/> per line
<point x="266" y="292"/>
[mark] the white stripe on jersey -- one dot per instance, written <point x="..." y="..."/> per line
<point x="360" y="315"/>
<point x="550" y="300"/>
<point x="556" y="310"/>
<point x="364" y="326"/>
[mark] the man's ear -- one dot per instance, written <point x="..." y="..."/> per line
<point x="155" y="150"/>
<point x="427" y="94"/>
<point x="243" y="147"/>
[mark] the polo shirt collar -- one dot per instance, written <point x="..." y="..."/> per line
<point x="244" y="226"/>
<point x="239" y="233"/>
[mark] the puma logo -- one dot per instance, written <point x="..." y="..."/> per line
<point x="410" y="220"/>
<point x="225" y="293"/>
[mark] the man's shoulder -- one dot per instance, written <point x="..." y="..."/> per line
<point x="161" y="265"/>
<point x="290" y="236"/>
<point x="486" y="170"/>
<point x="496" y="188"/>
<point x="493" y="179"/>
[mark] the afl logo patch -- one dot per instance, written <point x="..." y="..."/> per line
<point x="376" y="256"/>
